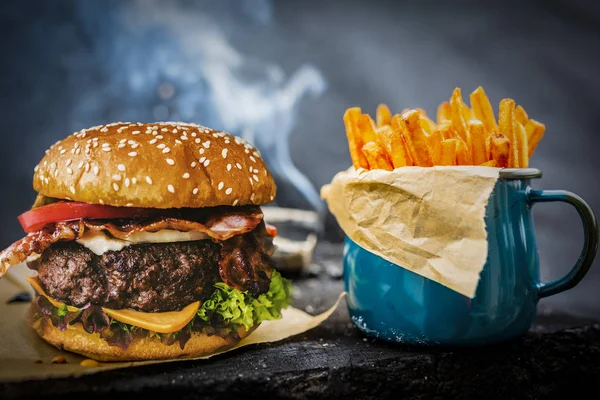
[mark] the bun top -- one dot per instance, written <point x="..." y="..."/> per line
<point x="158" y="165"/>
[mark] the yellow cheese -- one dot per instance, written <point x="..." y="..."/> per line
<point x="161" y="322"/>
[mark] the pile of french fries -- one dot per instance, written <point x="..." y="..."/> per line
<point x="460" y="136"/>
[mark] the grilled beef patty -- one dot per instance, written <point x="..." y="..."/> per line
<point x="152" y="277"/>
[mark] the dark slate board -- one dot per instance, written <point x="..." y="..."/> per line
<point x="559" y="357"/>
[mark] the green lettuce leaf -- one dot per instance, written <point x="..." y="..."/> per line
<point x="240" y="308"/>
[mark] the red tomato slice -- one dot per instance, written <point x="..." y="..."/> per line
<point x="37" y="218"/>
<point x="271" y="230"/>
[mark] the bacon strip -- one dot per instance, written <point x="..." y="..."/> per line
<point x="219" y="223"/>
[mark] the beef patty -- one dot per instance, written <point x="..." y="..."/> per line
<point x="152" y="277"/>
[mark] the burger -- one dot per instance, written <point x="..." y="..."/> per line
<point x="149" y="242"/>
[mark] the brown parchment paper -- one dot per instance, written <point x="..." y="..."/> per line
<point x="427" y="220"/>
<point x="20" y="346"/>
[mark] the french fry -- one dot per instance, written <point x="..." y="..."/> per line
<point x="521" y="115"/>
<point x="447" y="130"/>
<point x="499" y="146"/>
<point x="457" y="118"/>
<point x="426" y="123"/>
<point x="506" y="119"/>
<point x="393" y="143"/>
<point x="523" y="151"/>
<point x="366" y="126"/>
<point x="383" y="115"/>
<point x="354" y="136"/>
<point x="482" y="110"/>
<point x="477" y="136"/>
<point x="376" y="156"/>
<point x="415" y="138"/>
<point x="463" y="155"/>
<point x="535" y="132"/>
<point x="435" y="145"/>
<point x="448" y="152"/>
<point x="491" y="163"/>
<point x="443" y="112"/>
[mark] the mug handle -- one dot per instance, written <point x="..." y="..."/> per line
<point x="590" y="241"/>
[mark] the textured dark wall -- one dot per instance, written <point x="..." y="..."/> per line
<point x="69" y="65"/>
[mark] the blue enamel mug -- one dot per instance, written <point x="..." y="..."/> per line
<point x="394" y="304"/>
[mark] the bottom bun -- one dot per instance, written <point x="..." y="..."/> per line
<point x="76" y="340"/>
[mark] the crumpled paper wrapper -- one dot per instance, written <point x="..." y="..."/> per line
<point x="20" y="346"/>
<point x="427" y="220"/>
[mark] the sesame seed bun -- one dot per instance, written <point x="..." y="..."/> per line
<point x="158" y="165"/>
<point x="77" y="340"/>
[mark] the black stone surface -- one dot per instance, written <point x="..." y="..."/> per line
<point x="558" y="358"/>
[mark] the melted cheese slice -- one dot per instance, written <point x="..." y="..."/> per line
<point x="161" y="322"/>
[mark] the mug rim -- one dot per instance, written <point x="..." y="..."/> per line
<point x="519" y="173"/>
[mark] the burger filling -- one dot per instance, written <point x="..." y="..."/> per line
<point x="155" y="278"/>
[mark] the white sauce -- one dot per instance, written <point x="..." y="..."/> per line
<point x="99" y="243"/>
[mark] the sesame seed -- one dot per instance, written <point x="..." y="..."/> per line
<point x="255" y="171"/>
<point x="52" y="166"/>
<point x="197" y="140"/>
<point x="235" y="202"/>
<point x="63" y="151"/>
<point x="251" y="181"/>
<point x="100" y="201"/>
<point x="256" y="153"/>
<point x="116" y="177"/>
<point x="121" y="145"/>
<point x="215" y="135"/>
<point x="122" y="140"/>
<point x="87" y="167"/>
<point x="255" y="178"/>
<point x="134" y="146"/>
<point x="69" y="171"/>
<point x="105" y="144"/>
<point x="253" y="159"/>
<point x="107" y="149"/>
<point x="201" y="150"/>
<point x="166" y="150"/>
<point x="272" y="198"/>
<point x="251" y="168"/>
<point x="206" y="144"/>
<point x="153" y="141"/>
<point x="202" y="160"/>
<point x="115" y="186"/>
<point x="228" y="191"/>
<point x="87" y="151"/>
<point x="224" y="153"/>
<point x="96" y="169"/>
<point x="149" y="180"/>
<point x="46" y="180"/>
<point x="193" y="164"/>
<point x="221" y="184"/>
<point x="127" y="182"/>
<point x="228" y="167"/>
<point x="195" y="191"/>
<point x="130" y="141"/>
<point x="72" y="189"/>
<point x="183" y="137"/>
<point x="170" y="161"/>
<point x="194" y="135"/>
<point x="121" y="167"/>
<point x="206" y="163"/>
<point x="161" y="146"/>
<point x="129" y="205"/>
<point x="174" y="131"/>
<point x="134" y="180"/>
<point x="80" y="165"/>
<point x="177" y="141"/>
<point x="238" y="165"/>
<point x="132" y="154"/>
<point x="246" y="151"/>
<point x="159" y="136"/>
<point x="104" y="129"/>
<point x="171" y="189"/>
<point x="252" y="197"/>
<point x="135" y="132"/>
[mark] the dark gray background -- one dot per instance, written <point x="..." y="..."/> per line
<point x="68" y="65"/>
